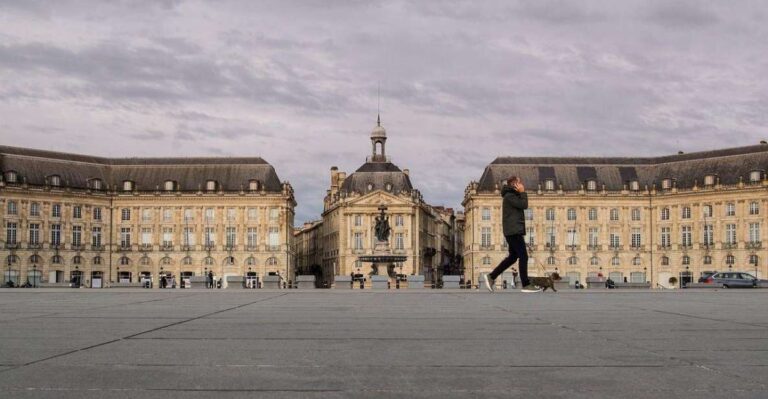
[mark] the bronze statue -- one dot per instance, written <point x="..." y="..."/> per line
<point x="382" y="226"/>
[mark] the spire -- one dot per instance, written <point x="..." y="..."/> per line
<point x="378" y="119"/>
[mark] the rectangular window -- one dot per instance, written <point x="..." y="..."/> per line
<point x="615" y="239"/>
<point x="754" y="232"/>
<point x="594" y="236"/>
<point x="34" y="233"/>
<point x="97" y="213"/>
<point x="686" y="212"/>
<point x="146" y="236"/>
<point x="209" y="216"/>
<point x="551" y="233"/>
<point x="231" y="214"/>
<point x="730" y="233"/>
<point x="550" y="214"/>
<point x="637" y="238"/>
<point x="530" y="236"/>
<point x="253" y="214"/>
<point x="56" y="211"/>
<point x="358" y="241"/>
<point x="125" y="237"/>
<point x="146" y="215"/>
<point x="399" y="241"/>
<point x="635" y="214"/>
<point x="528" y="214"/>
<point x="189" y="236"/>
<point x="210" y="237"/>
<point x="231" y="233"/>
<point x="486" y="214"/>
<point x="274" y="237"/>
<point x="614" y="214"/>
<point x="34" y="209"/>
<point x="56" y="234"/>
<point x="167" y="214"/>
<point x="96" y="236"/>
<point x="730" y="209"/>
<point x="399" y="220"/>
<point x="274" y="214"/>
<point x="77" y="212"/>
<point x="10" y="232"/>
<point x="754" y="208"/>
<point x="573" y="236"/>
<point x="709" y="237"/>
<point x="252" y="237"/>
<point x="665" y="237"/>
<point x="358" y="220"/>
<point x="592" y="213"/>
<point x="167" y="236"/>
<point x="685" y="236"/>
<point x="571" y="214"/>
<point x="189" y="215"/>
<point x="485" y="237"/>
<point x="125" y="214"/>
<point x="77" y="235"/>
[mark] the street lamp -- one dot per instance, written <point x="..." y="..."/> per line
<point x="34" y="275"/>
<point x="77" y="276"/>
<point x="688" y="277"/>
<point x="645" y="275"/>
<point x="118" y="274"/>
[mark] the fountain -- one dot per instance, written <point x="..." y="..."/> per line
<point x="382" y="261"/>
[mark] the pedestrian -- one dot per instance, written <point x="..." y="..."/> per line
<point x="514" y="203"/>
<point x="210" y="279"/>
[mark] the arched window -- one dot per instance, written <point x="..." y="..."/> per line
<point x="127" y="185"/>
<point x="594" y="261"/>
<point x="229" y="260"/>
<point x="637" y="261"/>
<point x="97" y="260"/>
<point x="169" y="185"/>
<point x="251" y="261"/>
<point x="253" y="185"/>
<point x="549" y="185"/>
<point x="615" y="261"/>
<point x="97" y="184"/>
<point x="272" y="261"/>
<point x="707" y="260"/>
<point x="77" y="260"/>
<point x="709" y="180"/>
<point x="145" y="261"/>
<point x="755" y="176"/>
<point x="186" y="261"/>
<point x="124" y="261"/>
<point x="634" y="185"/>
<point x="208" y="261"/>
<point x="573" y="261"/>
<point x="486" y="260"/>
<point x="551" y="260"/>
<point x="665" y="261"/>
<point x="730" y="260"/>
<point x="210" y="185"/>
<point x="666" y="184"/>
<point x="35" y="260"/>
<point x="591" y="185"/>
<point x="166" y="261"/>
<point x="686" y="260"/>
<point x="12" y="259"/>
<point x="56" y="260"/>
<point x="754" y="260"/>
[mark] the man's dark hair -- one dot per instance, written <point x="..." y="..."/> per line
<point x="512" y="180"/>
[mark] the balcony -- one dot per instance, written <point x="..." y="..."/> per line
<point x="754" y="244"/>
<point x="36" y="245"/>
<point x="273" y="248"/>
<point x="707" y="246"/>
<point x="358" y="251"/>
<point x="57" y="246"/>
<point x="210" y="247"/>
<point x="12" y="245"/>
<point x="187" y="247"/>
<point x="486" y="247"/>
<point x="729" y="245"/>
<point x="78" y="247"/>
<point x="572" y="247"/>
<point x="663" y="247"/>
<point x="684" y="247"/>
<point x="97" y="247"/>
<point x="124" y="248"/>
<point x="637" y="248"/>
<point x="594" y="247"/>
<point x="166" y="247"/>
<point x="250" y="248"/>
<point x="616" y="247"/>
<point x="145" y="247"/>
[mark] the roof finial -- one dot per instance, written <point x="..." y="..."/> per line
<point x="378" y="103"/>
<point x="378" y="119"/>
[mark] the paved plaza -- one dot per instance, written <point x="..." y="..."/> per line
<point x="432" y="344"/>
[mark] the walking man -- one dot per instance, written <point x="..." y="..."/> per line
<point x="515" y="201"/>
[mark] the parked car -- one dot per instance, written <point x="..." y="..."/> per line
<point x="705" y="275"/>
<point x="732" y="280"/>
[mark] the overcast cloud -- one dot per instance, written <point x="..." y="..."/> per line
<point x="461" y="82"/>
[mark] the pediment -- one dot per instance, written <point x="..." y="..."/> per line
<point x="379" y="197"/>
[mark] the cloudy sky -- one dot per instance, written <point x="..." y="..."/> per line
<point x="460" y="83"/>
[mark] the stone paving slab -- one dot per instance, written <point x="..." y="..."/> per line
<point x="421" y="344"/>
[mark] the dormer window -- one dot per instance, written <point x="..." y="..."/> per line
<point x="128" y="185"/>
<point x="11" y="177"/>
<point x="97" y="184"/>
<point x="755" y="176"/>
<point x="666" y="184"/>
<point x="634" y="185"/>
<point x="709" y="180"/>
<point x="253" y="185"/>
<point x="591" y="185"/>
<point x="169" y="185"/>
<point x="210" y="185"/>
<point x="549" y="185"/>
<point x="370" y="186"/>
<point x="389" y="187"/>
<point x="55" y="180"/>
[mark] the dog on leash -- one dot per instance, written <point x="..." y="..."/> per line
<point x="546" y="281"/>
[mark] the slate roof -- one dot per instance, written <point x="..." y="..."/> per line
<point x="728" y="164"/>
<point x="379" y="174"/>
<point x="232" y="174"/>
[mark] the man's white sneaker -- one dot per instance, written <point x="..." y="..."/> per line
<point x="488" y="282"/>
<point x="531" y="288"/>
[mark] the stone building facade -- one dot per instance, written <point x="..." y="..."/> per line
<point x="643" y="219"/>
<point x="101" y="221"/>
<point x="423" y="233"/>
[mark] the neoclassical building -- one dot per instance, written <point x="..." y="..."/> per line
<point x="108" y="220"/>
<point x="643" y="219"/>
<point x="423" y="233"/>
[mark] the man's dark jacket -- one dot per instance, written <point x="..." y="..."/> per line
<point x="513" y="217"/>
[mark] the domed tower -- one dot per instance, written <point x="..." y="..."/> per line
<point x="378" y="136"/>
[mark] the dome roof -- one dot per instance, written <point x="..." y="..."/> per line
<point x="377" y="176"/>
<point x="379" y="130"/>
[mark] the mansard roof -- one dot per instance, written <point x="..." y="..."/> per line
<point x="75" y="170"/>
<point x="378" y="175"/>
<point x="729" y="165"/>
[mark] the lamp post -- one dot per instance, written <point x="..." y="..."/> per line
<point x="77" y="276"/>
<point x="160" y="278"/>
<point x="34" y="275"/>
<point x="645" y="275"/>
<point x="205" y="274"/>
<point x="688" y="278"/>
<point x="118" y="274"/>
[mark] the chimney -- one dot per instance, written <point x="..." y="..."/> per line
<point x="680" y="153"/>
<point x="763" y="142"/>
<point x="334" y="176"/>
<point x="407" y="172"/>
